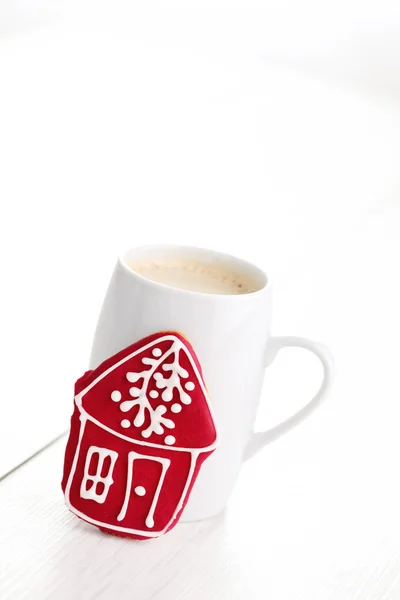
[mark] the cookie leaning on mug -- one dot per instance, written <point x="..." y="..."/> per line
<point x="141" y="428"/>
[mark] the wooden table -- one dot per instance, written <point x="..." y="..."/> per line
<point x="266" y="163"/>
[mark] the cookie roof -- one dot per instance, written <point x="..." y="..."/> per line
<point x="152" y="393"/>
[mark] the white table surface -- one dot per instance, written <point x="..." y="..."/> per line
<point x="108" y="144"/>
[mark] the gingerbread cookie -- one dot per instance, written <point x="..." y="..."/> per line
<point x="140" y="431"/>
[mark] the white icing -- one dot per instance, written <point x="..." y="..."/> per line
<point x="176" y="408"/>
<point x="148" y="361"/>
<point x="150" y="517"/>
<point x="132" y="456"/>
<point x="174" y="380"/>
<point x="194" y="454"/>
<point x="89" y="491"/>
<point x="167" y="395"/>
<point x="169" y="440"/>
<point x="133" y="377"/>
<point x="124" y="507"/>
<point x="121" y="436"/>
<point x="86" y="416"/>
<point x="116" y="396"/>
<point x="140" y="490"/>
<point x="193" y="460"/>
<point x="158" y="422"/>
<point x="125" y="423"/>
<point x="166" y="338"/>
<point x="189" y="386"/>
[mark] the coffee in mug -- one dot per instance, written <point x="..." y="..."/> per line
<point x="195" y="276"/>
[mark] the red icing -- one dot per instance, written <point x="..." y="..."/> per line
<point x="97" y="421"/>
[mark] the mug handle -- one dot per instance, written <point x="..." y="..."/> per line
<point x="262" y="438"/>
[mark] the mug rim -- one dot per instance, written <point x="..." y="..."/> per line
<point x="223" y="257"/>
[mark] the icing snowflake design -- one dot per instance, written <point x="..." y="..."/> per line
<point x="140" y="395"/>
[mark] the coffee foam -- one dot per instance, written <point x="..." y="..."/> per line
<point x="196" y="276"/>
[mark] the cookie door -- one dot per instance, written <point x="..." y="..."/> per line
<point x="144" y="491"/>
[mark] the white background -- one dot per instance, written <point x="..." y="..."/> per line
<point x="269" y="130"/>
<point x="351" y="41"/>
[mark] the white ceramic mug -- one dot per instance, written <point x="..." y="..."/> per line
<point x="231" y="337"/>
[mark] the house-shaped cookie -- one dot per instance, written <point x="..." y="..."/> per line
<point x="141" y="428"/>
